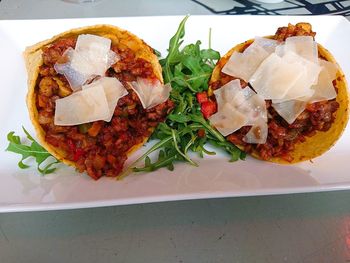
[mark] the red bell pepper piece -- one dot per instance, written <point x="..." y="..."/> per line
<point x="78" y="153"/>
<point x="202" y="97"/>
<point x="208" y="108"/>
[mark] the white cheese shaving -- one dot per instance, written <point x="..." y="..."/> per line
<point x="91" y="57"/>
<point x="151" y="93"/>
<point x="83" y="106"/>
<point x="290" y="110"/>
<point x="324" y="89"/>
<point x="74" y="78"/>
<point x="93" y="43"/>
<point x="275" y="76"/>
<point x="228" y="119"/>
<point x="243" y="65"/>
<point x="114" y="90"/>
<point x="255" y="108"/>
<point x="94" y="102"/>
<point x="309" y="75"/>
<point x="304" y="46"/>
<point x="330" y="68"/>
<point x="239" y="107"/>
<point x="258" y="133"/>
<point x="268" y="44"/>
<point x="233" y="93"/>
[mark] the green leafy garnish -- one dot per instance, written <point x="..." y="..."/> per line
<point x="185" y="129"/>
<point x="33" y="150"/>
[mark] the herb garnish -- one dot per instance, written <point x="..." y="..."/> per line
<point x="185" y="129"/>
<point x="33" y="150"/>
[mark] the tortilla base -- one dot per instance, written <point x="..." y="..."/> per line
<point x="33" y="60"/>
<point x="322" y="141"/>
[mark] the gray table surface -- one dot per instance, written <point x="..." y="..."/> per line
<point x="288" y="228"/>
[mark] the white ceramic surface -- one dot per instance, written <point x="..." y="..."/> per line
<point x="26" y="190"/>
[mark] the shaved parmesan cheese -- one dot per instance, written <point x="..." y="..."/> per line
<point x="228" y="119"/>
<point x="231" y="92"/>
<point x="309" y="75"/>
<point x="243" y="97"/>
<point x="255" y="109"/>
<point x="289" y="110"/>
<point x="257" y="114"/>
<point x="243" y="65"/>
<point x="304" y="46"/>
<point x="74" y="78"/>
<point x="114" y="90"/>
<point x="329" y="67"/>
<point x="324" y="89"/>
<point x="94" y="102"/>
<point x="83" y="106"/>
<point x="238" y="107"/>
<point x="151" y="93"/>
<point x="279" y="50"/>
<point x="91" y="57"/>
<point x="93" y="43"/>
<point x="275" y="77"/>
<point x="268" y="44"/>
<point x="258" y="133"/>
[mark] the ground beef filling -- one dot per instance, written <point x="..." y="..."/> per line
<point x="282" y="137"/>
<point x="99" y="148"/>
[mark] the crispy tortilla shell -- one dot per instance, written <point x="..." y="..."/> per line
<point x="319" y="143"/>
<point x="33" y="60"/>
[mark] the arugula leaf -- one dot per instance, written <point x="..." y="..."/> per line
<point x="185" y="130"/>
<point x="157" y="53"/>
<point x="33" y="150"/>
<point x="173" y="51"/>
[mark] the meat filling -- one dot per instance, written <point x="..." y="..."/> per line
<point x="99" y="148"/>
<point x="282" y="136"/>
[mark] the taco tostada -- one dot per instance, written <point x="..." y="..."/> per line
<point x="95" y="95"/>
<point x="280" y="98"/>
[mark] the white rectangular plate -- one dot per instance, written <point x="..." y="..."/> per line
<point x="26" y="190"/>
